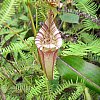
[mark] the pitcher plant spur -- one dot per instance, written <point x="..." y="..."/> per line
<point x="48" y="41"/>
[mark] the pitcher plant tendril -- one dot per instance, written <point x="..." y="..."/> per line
<point x="48" y="41"/>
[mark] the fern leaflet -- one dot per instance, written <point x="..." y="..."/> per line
<point x="8" y="9"/>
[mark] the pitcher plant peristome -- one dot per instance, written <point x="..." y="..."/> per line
<point x="48" y="41"/>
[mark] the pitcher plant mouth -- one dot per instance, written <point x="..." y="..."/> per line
<point x="48" y="41"/>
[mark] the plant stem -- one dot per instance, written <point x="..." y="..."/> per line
<point x="36" y="19"/>
<point x="32" y="21"/>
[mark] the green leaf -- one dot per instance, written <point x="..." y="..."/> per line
<point x="13" y="22"/>
<point x="70" y="18"/>
<point x="24" y="18"/>
<point x="72" y="66"/>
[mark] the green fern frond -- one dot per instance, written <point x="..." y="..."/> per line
<point x="40" y="90"/>
<point x="79" y="90"/>
<point x="93" y="57"/>
<point x="95" y="47"/>
<point x="41" y="12"/>
<point x="82" y="49"/>
<point x="21" y="87"/>
<point x="8" y="10"/>
<point x="87" y="6"/>
<point x="87" y="38"/>
<point x="16" y="47"/>
<point x="56" y="74"/>
<point x="74" y="29"/>
<point x="36" y="90"/>
<point x="11" y="98"/>
<point x="88" y="25"/>
<point x="77" y="93"/>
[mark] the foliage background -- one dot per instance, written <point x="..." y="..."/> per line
<point x="77" y="71"/>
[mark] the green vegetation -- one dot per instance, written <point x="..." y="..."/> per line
<point x="77" y="67"/>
